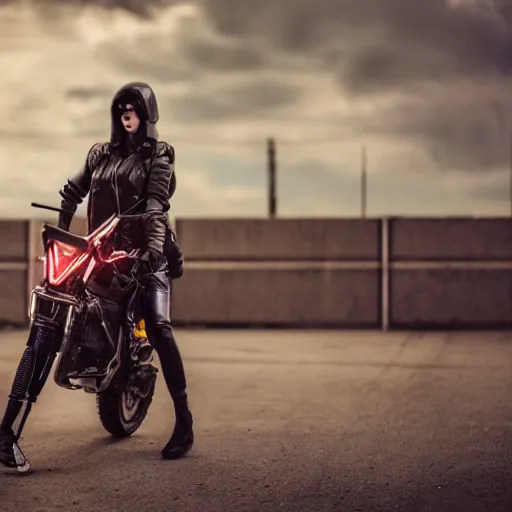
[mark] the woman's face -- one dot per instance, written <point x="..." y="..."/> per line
<point x="129" y="118"/>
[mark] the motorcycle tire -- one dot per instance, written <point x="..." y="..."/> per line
<point x="119" y="417"/>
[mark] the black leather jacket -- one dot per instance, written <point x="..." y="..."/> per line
<point x="120" y="173"/>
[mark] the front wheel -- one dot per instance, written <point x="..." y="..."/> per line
<point x="122" y="412"/>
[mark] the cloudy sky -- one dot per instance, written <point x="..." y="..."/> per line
<point x="424" y="84"/>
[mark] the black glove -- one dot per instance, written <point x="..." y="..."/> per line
<point x="65" y="219"/>
<point x="174" y="256"/>
<point x="154" y="261"/>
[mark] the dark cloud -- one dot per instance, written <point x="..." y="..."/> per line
<point x="436" y="45"/>
<point x="150" y="58"/>
<point x="380" y="40"/>
<point x="469" y="130"/>
<point x="142" y="8"/>
<point x="432" y="55"/>
<point x="223" y="57"/>
<point x="411" y="47"/>
<point x="257" y="97"/>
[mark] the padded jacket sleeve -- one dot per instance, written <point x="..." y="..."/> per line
<point x="157" y="195"/>
<point x="77" y="187"/>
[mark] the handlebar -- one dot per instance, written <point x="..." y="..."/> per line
<point x="126" y="215"/>
<point x="45" y="207"/>
<point x="65" y="236"/>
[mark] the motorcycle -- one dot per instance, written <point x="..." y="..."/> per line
<point x="87" y="314"/>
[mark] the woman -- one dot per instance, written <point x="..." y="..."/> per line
<point x="133" y="168"/>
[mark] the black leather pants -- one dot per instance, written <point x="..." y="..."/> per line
<point x="156" y="298"/>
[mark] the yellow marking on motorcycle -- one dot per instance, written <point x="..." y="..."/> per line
<point x="140" y="330"/>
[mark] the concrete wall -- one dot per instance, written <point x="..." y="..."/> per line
<point x="450" y="272"/>
<point x="287" y="272"/>
<point x="450" y="239"/>
<point x="376" y="273"/>
<point x="389" y="273"/>
<point x="280" y="240"/>
<point x="292" y="296"/>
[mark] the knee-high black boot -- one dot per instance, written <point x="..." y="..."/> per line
<point x="158" y="326"/>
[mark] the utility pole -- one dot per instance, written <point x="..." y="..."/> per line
<point x="271" y="166"/>
<point x="510" y="178"/>
<point x="363" y="183"/>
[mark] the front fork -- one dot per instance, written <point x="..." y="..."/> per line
<point x="45" y="336"/>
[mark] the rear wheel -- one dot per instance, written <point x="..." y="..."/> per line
<point x="122" y="412"/>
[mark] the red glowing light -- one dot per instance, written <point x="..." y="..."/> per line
<point x="63" y="261"/>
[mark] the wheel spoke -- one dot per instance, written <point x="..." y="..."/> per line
<point x="129" y="405"/>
